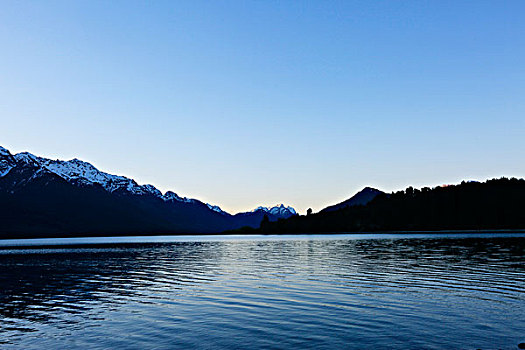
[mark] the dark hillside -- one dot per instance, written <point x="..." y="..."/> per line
<point x="495" y="204"/>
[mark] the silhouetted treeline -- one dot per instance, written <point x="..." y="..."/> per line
<point x="494" y="204"/>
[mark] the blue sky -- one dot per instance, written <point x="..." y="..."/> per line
<point x="247" y="103"/>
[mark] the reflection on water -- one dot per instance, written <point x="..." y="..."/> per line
<point x="390" y="293"/>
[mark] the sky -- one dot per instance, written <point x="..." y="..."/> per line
<point x="248" y="103"/>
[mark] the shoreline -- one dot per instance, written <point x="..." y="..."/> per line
<point x="255" y="232"/>
<point x="122" y="240"/>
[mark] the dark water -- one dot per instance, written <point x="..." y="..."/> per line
<point x="343" y="292"/>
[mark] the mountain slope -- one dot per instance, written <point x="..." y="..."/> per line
<point x="360" y="198"/>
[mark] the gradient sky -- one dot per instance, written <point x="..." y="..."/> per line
<point x="247" y="103"/>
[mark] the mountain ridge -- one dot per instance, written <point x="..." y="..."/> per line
<point x="76" y="170"/>
<point x="40" y="196"/>
<point x="362" y="197"/>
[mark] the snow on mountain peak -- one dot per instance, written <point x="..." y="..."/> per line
<point x="80" y="172"/>
<point x="86" y="173"/>
<point x="215" y="208"/>
<point x="26" y="157"/>
<point x="7" y="162"/>
<point x="278" y="210"/>
<point x="152" y="189"/>
<point x="172" y="196"/>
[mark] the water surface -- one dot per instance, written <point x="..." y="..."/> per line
<point x="340" y="291"/>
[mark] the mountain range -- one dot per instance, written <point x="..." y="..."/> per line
<point x="44" y="197"/>
<point x="40" y="197"/>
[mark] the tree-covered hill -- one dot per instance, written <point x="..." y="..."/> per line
<point x="494" y="204"/>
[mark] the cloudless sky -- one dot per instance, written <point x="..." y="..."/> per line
<point x="247" y="103"/>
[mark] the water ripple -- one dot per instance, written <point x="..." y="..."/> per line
<point x="355" y="294"/>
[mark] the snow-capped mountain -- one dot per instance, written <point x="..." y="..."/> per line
<point x="79" y="172"/>
<point x="279" y="210"/>
<point x="43" y="197"/>
<point x="82" y="173"/>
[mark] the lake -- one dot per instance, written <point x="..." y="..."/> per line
<point x="404" y="291"/>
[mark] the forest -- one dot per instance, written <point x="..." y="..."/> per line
<point x="494" y="204"/>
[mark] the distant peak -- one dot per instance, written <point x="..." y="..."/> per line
<point x="279" y="210"/>
<point x="370" y="189"/>
<point x="362" y="197"/>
